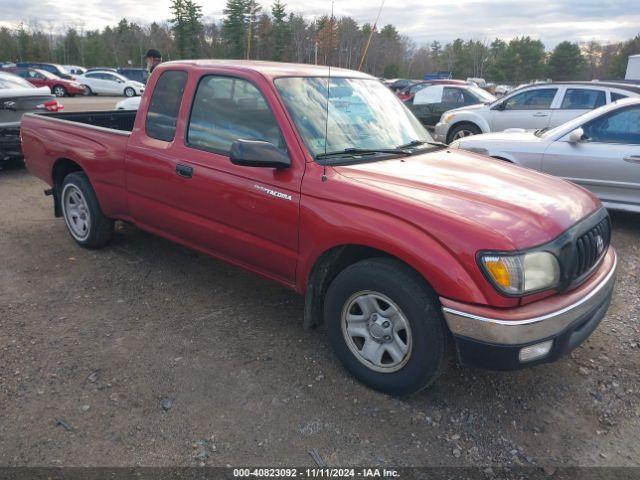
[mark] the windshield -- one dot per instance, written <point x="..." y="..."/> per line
<point x="363" y="114"/>
<point x="8" y="81"/>
<point x="483" y="95"/>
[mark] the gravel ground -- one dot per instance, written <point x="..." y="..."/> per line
<point x="146" y="353"/>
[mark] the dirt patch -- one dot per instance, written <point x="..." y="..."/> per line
<point x="146" y="353"/>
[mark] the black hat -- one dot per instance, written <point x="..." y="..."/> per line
<point x="153" y="53"/>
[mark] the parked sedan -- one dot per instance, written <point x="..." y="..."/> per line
<point x="110" y="83"/>
<point x="17" y="97"/>
<point x="544" y="105"/>
<point x="60" y="87"/>
<point x="599" y="150"/>
<point x="432" y="101"/>
<point x="57" y="70"/>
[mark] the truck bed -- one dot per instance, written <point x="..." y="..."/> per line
<point x="120" y="120"/>
<point x="92" y="141"/>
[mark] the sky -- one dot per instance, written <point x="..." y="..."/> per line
<point x="421" y="20"/>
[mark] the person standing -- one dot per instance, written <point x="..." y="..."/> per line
<point x="153" y="58"/>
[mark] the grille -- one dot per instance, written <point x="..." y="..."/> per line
<point x="591" y="246"/>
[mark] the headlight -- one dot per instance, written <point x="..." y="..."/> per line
<point x="521" y="274"/>
<point x="448" y="118"/>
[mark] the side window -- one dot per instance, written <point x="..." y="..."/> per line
<point x="617" y="96"/>
<point x="537" y="99"/>
<point x="162" y="115"/>
<point x="91" y="75"/>
<point x="621" y="126"/>
<point x="428" y="95"/>
<point x="227" y="109"/>
<point x="583" y="99"/>
<point x="25" y="73"/>
<point x="452" y="96"/>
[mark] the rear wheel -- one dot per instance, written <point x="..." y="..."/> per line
<point x="463" y="130"/>
<point x="85" y="221"/>
<point x="385" y="325"/>
<point x="129" y="92"/>
<point x="59" y="91"/>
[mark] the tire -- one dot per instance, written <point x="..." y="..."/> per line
<point x="391" y="285"/>
<point x="59" y="91"/>
<point x="85" y="221"/>
<point x="88" y="90"/>
<point x="463" y="130"/>
<point x="129" y="92"/>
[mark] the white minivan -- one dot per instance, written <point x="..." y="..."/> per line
<point x="534" y="107"/>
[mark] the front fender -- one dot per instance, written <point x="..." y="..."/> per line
<point x="325" y="224"/>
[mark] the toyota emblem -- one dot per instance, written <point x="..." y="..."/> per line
<point x="599" y="244"/>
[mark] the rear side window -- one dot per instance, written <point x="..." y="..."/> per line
<point x="617" y="96"/>
<point x="162" y="116"/>
<point x="583" y="99"/>
<point x="538" y="99"/>
<point x="226" y="109"/>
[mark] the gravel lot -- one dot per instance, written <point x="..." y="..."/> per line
<point x="146" y="353"/>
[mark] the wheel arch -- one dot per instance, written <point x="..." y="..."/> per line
<point x="61" y="168"/>
<point x="327" y="267"/>
<point x="464" y="122"/>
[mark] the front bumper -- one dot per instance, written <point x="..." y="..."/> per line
<point x="441" y="131"/>
<point x="493" y="338"/>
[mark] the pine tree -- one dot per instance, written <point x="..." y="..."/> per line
<point x="281" y="30"/>
<point x="234" y="26"/>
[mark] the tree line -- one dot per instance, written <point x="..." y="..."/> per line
<point x="250" y="30"/>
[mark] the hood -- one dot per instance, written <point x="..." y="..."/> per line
<point x="513" y="206"/>
<point x="476" y="106"/>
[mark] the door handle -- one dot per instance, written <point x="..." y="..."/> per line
<point x="540" y="114"/>
<point x="632" y="159"/>
<point x="184" y="171"/>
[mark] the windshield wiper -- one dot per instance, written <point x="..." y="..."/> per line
<point x="540" y="131"/>
<point x="417" y="143"/>
<point x="364" y="151"/>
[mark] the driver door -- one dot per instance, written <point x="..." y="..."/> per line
<point x="530" y="110"/>
<point x="607" y="162"/>
<point x="113" y="84"/>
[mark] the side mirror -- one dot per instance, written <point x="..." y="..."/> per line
<point x="501" y="106"/>
<point x="256" y="153"/>
<point x="576" y="136"/>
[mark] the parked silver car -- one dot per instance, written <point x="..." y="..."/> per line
<point x="544" y="105"/>
<point x="599" y="150"/>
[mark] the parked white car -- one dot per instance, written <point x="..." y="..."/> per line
<point x="599" y="150"/>
<point x="110" y="83"/>
<point x="545" y="105"/>
<point x="132" y="103"/>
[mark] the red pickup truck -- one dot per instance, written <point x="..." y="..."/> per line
<point x="405" y="250"/>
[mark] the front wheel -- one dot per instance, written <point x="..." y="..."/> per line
<point x="385" y="325"/>
<point x="59" y="91"/>
<point x="81" y="211"/>
<point x="129" y="92"/>
<point x="463" y="130"/>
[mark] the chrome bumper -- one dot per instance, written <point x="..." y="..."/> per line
<point x="517" y="332"/>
